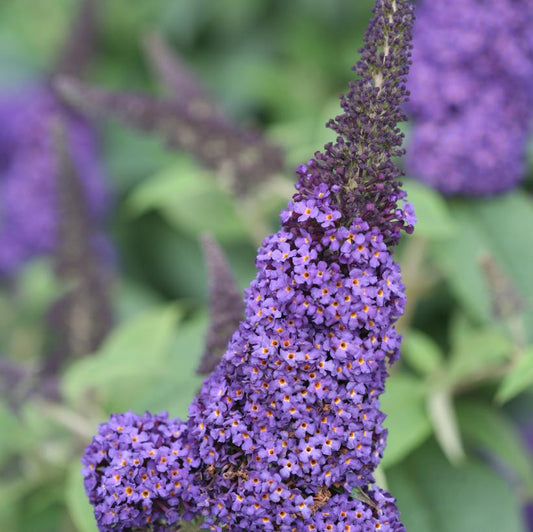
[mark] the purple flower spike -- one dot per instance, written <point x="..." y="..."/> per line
<point x="29" y="167"/>
<point x="292" y="411"/>
<point x="225" y="305"/>
<point x="289" y="422"/>
<point x="286" y="433"/>
<point x="471" y="94"/>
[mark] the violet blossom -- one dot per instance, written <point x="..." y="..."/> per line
<point x="289" y="421"/>
<point x="288" y="429"/>
<point x="28" y="173"/>
<point x="471" y="94"/>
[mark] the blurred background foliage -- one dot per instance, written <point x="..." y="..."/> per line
<point x="458" y="402"/>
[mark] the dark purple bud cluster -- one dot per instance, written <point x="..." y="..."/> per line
<point x="29" y="168"/>
<point x="137" y="473"/>
<point x="360" y="162"/>
<point x="226" y="307"/>
<point x="471" y="94"/>
<point x="243" y="159"/>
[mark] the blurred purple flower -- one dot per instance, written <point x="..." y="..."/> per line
<point x="29" y="168"/>
<point x="471" y="94"/>
<point x="226" y="306"/>
<point x="190" y="119"/>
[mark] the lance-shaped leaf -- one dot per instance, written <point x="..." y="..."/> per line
<point x="82" y="316"/>
<point x="241" y="158"/>
<point x="79" y="48"/>
<point x="186" y="88"/>
<point x="225" y="302"/>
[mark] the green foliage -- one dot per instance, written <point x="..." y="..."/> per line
<point x="435" y="220"/>
<point x="519" y="378"/>
<point x="128" y="365"/>
<point x="497" y="228"/>
<point x="421" y="352"/>
<point x="433" y="495"/>
<point x="488" y="428"/>
<point x="78" y="505"/>
<point x="404" y="404"/>
<point x="475" y="351"/>
<point x="190" y="200"/>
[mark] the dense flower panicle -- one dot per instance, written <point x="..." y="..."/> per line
<point x="471" y="94"/>
<point x="137" y="473"/>
<point x="29" y="169"/>
<point x="360" y="162"/>
<point x="291" y="416"/>
<point x="289" y="422"/>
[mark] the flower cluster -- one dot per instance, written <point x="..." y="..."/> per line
<point x="471" y="94"/>
<point x="137" y="473"/>
<point x="242" y="158"/>
<point x="29" y="166"/>
<point x="290" y="418"/>
<point x="289" y="422"/>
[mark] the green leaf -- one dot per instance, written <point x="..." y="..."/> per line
<point x="407" y="420"/>
<point x="190" y="199"/>
<point x="129" y="362"/>
<point x="78" y="505"/>
<point x="133" y="155"/>
<point x="458" y="258"/>
<point x="518" y="379"/>
<point x="495" y="227"/>
<point x="178" y="384"/>
<point x="11" y="492"/>
<point x="421" y="352"/>
<point x="488" y="428"/>
<point x="434" y="219"/>
<point x="13" y="436"/>
<point x="442" y="414"/>
<point x="477" y="351"/>
<point x="435" y="496"/>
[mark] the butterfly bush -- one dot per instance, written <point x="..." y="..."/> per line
<point x="471" y="94"/>
<point x="286" y="433"/>
<point x="29" y="166"/>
